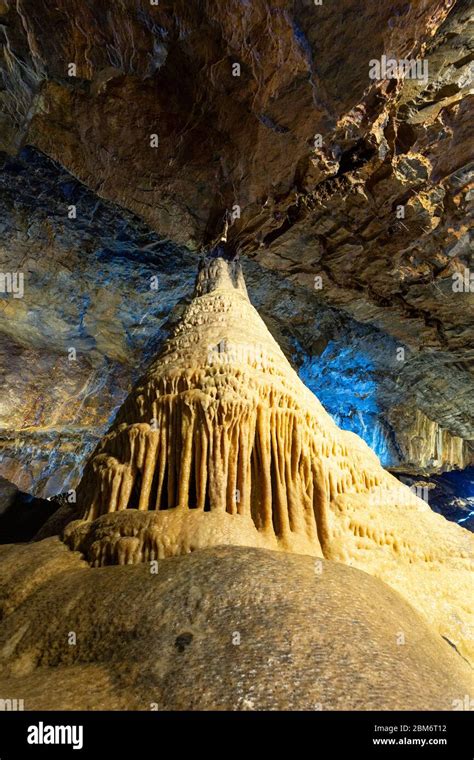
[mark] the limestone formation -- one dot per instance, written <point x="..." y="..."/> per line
<point x="206" y="564"/>
<point x="221" y="443"/>
<point x="225" y="628"/>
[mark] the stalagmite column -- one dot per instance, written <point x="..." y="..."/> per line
<point x="214" y="444"/>
<point x="221" y="443"/>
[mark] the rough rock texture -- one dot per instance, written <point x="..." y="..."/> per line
<point x="319" y="159"/>
<point x="222" y="629"/>
<point x="87" y="287"/>
<point x="221" y="443"/>
<point x="306" y="211"/>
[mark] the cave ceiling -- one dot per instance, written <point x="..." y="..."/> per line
<point x="156" y="123"/>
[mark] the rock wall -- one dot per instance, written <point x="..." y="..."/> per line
<point x="88" y="287"/>
<point x="326" y="208"/>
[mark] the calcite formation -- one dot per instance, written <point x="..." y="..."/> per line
<point x="213" y="445"/>
<point x="317" y="155"/>
<point x="225" y="628"/>
<point x="221" y="443"/>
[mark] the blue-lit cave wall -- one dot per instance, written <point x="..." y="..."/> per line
<point x="88" y="286"/>
<point x="346" y="381"/>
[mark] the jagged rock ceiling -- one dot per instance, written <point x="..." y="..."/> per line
<point x="307" y="210"/>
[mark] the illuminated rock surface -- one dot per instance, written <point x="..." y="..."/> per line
<point x="223" y="628"/>
<point x="319" y="159"/>
<point x="221" y="443"/>
<point x="306" y="211"/>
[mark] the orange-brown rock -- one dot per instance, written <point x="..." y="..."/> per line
<point x="226" y="628"/>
